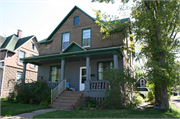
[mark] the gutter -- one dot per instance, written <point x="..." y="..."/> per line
<point x="7" y="50"/>
<point x="3" y="74"/>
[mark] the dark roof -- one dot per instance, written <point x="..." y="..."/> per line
<point x="22" y="41"/>
<point x="47" y="40"/>
<point x="12" y="42"/>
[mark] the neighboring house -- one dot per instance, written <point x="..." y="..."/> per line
<point x="141" y="82"/>
<point x="73" y="51"/>
<point x="12" y="48"/>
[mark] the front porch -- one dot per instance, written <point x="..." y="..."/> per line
<point x="82" y="68"/>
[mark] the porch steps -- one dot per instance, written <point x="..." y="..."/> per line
<point x="68" y="100"/>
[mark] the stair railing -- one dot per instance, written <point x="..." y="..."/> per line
<point x="58" y="90"/>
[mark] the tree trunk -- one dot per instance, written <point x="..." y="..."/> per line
<point x="157" y="93"/>
<point x="164" y="96"/>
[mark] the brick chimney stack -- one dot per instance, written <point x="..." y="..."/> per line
<point x="19" y="33"/>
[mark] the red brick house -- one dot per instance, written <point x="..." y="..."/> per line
<point x="12" y="48"/>
<point x="74" y="52"/>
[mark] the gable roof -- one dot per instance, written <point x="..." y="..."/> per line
<point x="47" y="40"/>
<point x="73" y="47"/>
<point x="12" y="42"/>
<point x="141" y="78"/>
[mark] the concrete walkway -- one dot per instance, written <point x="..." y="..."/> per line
<point x="175" y="101"/>
<point x="30" y="114"/>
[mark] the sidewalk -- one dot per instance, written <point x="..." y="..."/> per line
<point x="175" y="101"/>
<point x="30" y="114"/>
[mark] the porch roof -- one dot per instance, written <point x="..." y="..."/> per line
<point x="43" y="59"/>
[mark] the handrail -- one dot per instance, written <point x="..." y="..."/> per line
<point x="58" y="90"/>
<point x="98" y="85"/>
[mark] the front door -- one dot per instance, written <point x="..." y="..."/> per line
<point x="82" y="78"/>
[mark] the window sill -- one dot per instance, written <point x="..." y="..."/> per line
<point x="86" y="46"/>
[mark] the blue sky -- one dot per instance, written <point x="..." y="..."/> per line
<point x="40" y="17"/>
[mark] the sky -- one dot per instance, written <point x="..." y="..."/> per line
<point x="41" y="17"/>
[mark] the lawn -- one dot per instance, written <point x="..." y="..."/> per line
<point x="113" y="113"/>
<point x="10" y="109"/>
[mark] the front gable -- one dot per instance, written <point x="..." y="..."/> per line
<point x="73" y="47"/>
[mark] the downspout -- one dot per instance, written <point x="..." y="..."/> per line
<point x="3" y="72"/>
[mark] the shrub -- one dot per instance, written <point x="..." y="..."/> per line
<point x="137" y="100"/>
<point x="121" y="86"/>
<point x="150" y="95"/>
<point x="36" y="93"/>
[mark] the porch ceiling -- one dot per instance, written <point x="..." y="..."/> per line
<point x="74" y="56"/>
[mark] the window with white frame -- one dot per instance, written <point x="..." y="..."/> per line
<point x="32" y="65"/>
<point x="86" y="40"/>
<point x="21" y="55"/>
<point x="65" y="40"/>
<point x="18" y="77"/>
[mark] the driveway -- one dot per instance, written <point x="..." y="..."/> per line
<point x="175" y="101"/>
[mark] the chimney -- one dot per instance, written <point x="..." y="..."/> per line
<point x="19" y="33"/>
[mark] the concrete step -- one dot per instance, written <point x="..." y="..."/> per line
<point x="68" y="100"/>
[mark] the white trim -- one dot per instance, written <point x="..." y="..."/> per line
<point x="7" y="50"/>
<point x="3" y="74"/>
<point x="81" y="86"/>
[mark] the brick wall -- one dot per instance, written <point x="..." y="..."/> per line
<point x="76" y="34"/>
<point x="13" y="66"/>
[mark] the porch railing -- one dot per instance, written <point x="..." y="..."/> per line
<point x="58" y="90"/>
<point x="52" y="85"/>
<point x="98" y="85"/>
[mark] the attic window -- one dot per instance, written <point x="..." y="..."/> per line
<point x="76" y="20"/>
<point x="33" y="46"/>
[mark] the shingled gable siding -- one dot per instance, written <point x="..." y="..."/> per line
<point x="76" y="34"/>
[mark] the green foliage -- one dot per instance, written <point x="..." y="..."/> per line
<point x="120" y="88"/>
<point x="89" y="102"/>
<point x="36" y="93"/>
<point x="155" y="27"/>
<point x="11" y="97"/>
<point x="137" y="100"/>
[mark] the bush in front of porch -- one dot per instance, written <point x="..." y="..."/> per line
<point x="120" y="92"/>
<point x="35" y="93"/>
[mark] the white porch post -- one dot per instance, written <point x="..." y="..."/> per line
<point x="115" y="57"/>
<point x="24" y="71"/>
<point x="62" y="68"/>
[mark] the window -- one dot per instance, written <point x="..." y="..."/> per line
<point x="76" y="21"/>
<point x="18" y="76"/>
<point x="65" y="40"/>
<point x="21" y="55"/>
<point x="102" y="66"/>
<point x="86" y="40"/>
<point x="32" y="65"/>
<point x="33" y="46"/>
<point x="55" y="73"/>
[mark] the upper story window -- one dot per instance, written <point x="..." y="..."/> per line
<point x="21" y="55"/>
<point x="86" y="40"/>
<point x="33" y="46"/>
<point x="65" y="40"/>
<point x="76" y="20"/>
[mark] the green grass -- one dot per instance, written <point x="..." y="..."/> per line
<point x="10" y="109"/>
<point x="112" y="113"/>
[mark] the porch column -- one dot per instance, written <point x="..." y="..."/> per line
<point x="87" y="83"/>
<point x="62" y="68"/>
<point x="24" y="71"/>
<point x="115" y="57"/>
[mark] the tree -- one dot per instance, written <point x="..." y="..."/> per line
<point x="156" y="26"/>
